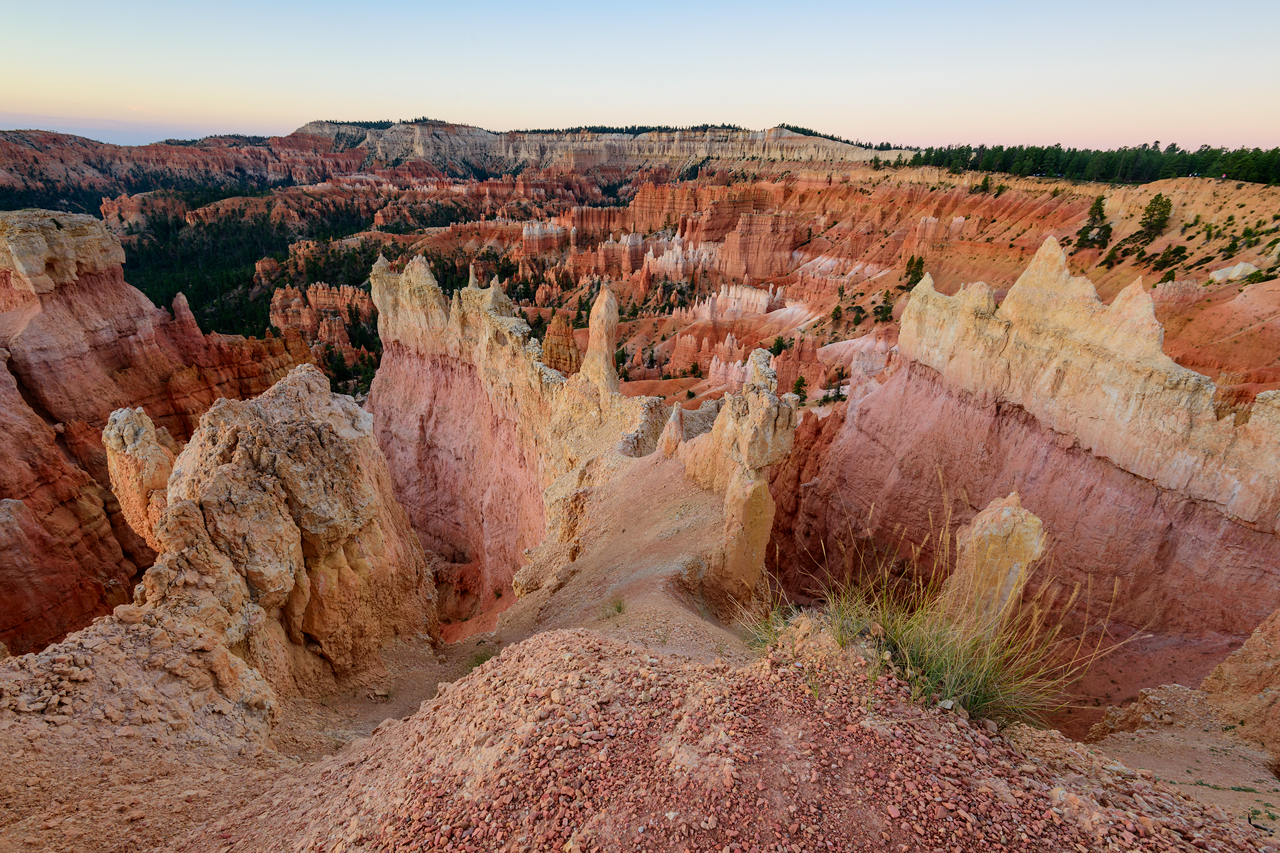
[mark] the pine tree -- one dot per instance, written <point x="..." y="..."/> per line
<point x="1096" y="231"/>
<point x="799" y="389"/>
<point x="1156" y="216"/>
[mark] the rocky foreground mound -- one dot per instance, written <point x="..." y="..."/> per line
<point x="573" y="742"/>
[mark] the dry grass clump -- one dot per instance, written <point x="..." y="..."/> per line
<point x="765" y="627"/>
<point x="1020" y="668"/>
<point x="1014" y="662"/>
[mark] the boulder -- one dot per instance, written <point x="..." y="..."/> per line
<point x="1244" y="269"/>
<point x="278" y="527"/>
<point x="77" y="343"/>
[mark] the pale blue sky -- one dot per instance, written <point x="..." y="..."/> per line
<point x="1089" y="73"/>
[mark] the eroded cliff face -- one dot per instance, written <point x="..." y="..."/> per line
<point x="278" y="527"/>
<point x="1071" y="403"/>
<point x="78" y="343"/>
<point x="39" y="159"/>
<point x="457" y="148"/>
<point x="753" y="429"/>
<point x="285" y="564"/>
<point x="475" y="426"/>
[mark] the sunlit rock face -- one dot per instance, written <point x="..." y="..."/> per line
<point x="475" y="425"/>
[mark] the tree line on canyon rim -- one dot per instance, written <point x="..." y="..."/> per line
<point x="1139" y="165"/>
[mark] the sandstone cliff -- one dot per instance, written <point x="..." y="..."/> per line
<point x="457" y="149"/>
<point x="79" y="342"/>
<point x="37" y="159"/>
<point x="1071" y="403"/>
<point x="475" y="426"/>
<point x="320" y="150"/>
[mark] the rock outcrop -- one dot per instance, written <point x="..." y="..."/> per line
<point x="476" y="427"/>
<point x="801" y="360"/>
<point x="139" y="466"/>
<point x="77" y="343"/>
<point x="1097" y="372"/>
<point x="135" y="213"/>
<point x="284" y="564"/>
<point x="1245" y="688"/>
<point x="753" y="430"/>
<point x="995" y="555"/>
<point x="1071" y="403"/>
<point x="281" y="506"/>
<point x="559" y="352"/>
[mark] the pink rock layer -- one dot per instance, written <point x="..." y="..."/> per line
<point x="475" y="426"/>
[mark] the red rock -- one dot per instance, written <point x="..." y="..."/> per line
<point x="81" y="343"/>
<point x="322" y="313"/>
<point x="135" y="212"/>
<point x="558" y="348"/>
<point x="801" y="360"/>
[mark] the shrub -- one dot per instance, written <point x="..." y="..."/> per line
<point x="1019" y="670"/>
<point x="1017" y="666"/>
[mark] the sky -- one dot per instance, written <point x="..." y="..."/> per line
<point x="1083" y="74"/>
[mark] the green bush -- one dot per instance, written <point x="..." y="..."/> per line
<point x="1156" y="216"/>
